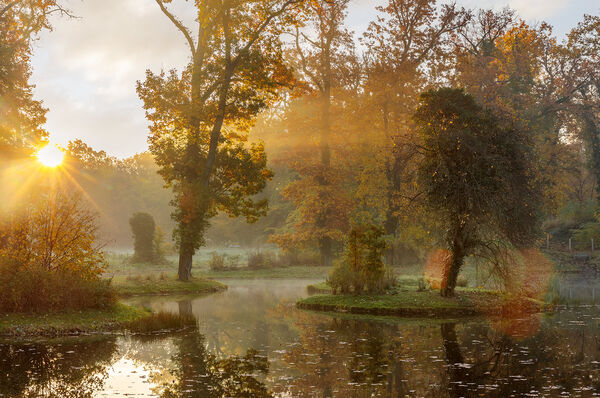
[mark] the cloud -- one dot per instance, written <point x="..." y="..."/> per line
<point x="86" y="68"/>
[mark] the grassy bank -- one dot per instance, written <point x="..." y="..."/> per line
<point x="163" y="284"/>
<point x="429" y="303"/>
<point x="120" y="268"/>
<point x="70" y="322"/>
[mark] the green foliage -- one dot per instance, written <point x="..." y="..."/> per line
<point x="21" y="116"/>
<point x="161" y="248"/>
<point x="477" y="177"/>
<point x="199" y="119"/>
<point x="143" y="230"/>
<point x="586" y="233"/>
<point x="341" y="277"/>
<point x="362" y="266"/>
<point x="573" y="218"/>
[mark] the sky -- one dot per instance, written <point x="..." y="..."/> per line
<point x="85" y="70"/>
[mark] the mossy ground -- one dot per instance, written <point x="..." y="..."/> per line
<point x="409" y="302"/>
<point x="71" y="322"/>
<point x="163" y="284"/>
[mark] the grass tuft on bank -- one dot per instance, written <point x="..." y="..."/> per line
<point x="163" y="284"/>
<point x="410" y="303"/>
<point x="63" y="323"/>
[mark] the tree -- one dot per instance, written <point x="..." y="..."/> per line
<point x="55" y="231"/>
<point x="322" y="56"/>
<point x="408" y="50"/>
<point x="200" y="118"/>
<point x="143" y="230"/>
<point x="21" y="116"/>
<point x="521" y="74"/>
<point x="362" y="265"/>
<point x="477" y="177"/>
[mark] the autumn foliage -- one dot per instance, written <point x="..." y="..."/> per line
<point x="50" y="258"/>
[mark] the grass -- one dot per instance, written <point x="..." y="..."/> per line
<point x="163" y="284"/>
<point x="70" y="322"/>
<point x="120" y="267"/>
<point x="161" y="322"/>
<point x="403" y="280"/>
<point x="405" y="302"/>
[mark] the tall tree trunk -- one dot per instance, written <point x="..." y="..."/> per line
<point x="186" y="254"/>
<point x="592" y="134"/>
<point x="451" y="274"/>
<point x="325" y="243"/>
<point x="449" y="282"/>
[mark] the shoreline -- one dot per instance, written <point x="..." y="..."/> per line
<point x="138" y="286"/>
<point x="426" y="304"/>
<point x="71" y="323"/>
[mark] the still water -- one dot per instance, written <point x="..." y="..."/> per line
<point x="252" y="341"/>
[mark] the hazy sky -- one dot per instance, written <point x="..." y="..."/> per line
<point x="85" y="70"/>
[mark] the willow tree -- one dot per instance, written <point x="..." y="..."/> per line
<point x="477" y="177"/>
<point x="200" y="117"/>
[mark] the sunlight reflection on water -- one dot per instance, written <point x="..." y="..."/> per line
<point x="312" y="355"/>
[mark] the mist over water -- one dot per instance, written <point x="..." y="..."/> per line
<point x="315" y="355"/>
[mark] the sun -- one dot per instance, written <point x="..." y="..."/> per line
<point x="50" y="155"/>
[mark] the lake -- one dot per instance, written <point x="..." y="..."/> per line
<point x="252" y="341"/>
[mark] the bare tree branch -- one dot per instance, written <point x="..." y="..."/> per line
<point x="179" y="26"/>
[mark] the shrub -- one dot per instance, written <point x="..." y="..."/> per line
<point x="362" y="266"/>
<point x="37" y="289"/>
<point x="223" y="262"/>
<point x="423" y="285"/>
<point x="262" y="260"/>
<point x="341" y="278"/>
<point x="159" y="246"/>
<point x="232" y="262"/>
<point x="142" y="228"/>
<point x="217" y="262"/>
<point x="54" y="231"/>
<point x="49" y="258"/>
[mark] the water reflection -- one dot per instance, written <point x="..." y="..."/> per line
<point x="55" y="369"/>
<point x="251" y="341"/>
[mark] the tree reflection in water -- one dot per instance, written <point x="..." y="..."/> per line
<point x="55" y="369"/>
<point x="78" y="367"/>
<point x="349" y="357"/>
<point x="198" y="373"/>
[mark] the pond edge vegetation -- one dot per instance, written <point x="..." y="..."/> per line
<point x="119" y="319"/>
<point x="427" y="304"/>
